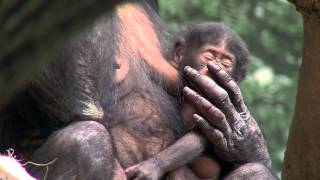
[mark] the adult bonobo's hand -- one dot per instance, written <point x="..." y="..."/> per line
<point x="224" y="118"/>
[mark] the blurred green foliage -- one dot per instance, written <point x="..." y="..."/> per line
<point x="273" y="32"/>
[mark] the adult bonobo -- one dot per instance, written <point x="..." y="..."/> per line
<point x="103" y="105"/>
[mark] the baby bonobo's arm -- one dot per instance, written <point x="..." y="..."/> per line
<point x="178" y="154"/>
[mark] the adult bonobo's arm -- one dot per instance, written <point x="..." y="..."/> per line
<point x="225" y="120"/>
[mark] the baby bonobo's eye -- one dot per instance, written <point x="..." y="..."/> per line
<point x="222" y="60"/>
<point x="225" y="62"/>
<point x="217" y="54"/>
<point x="208" y="55"/>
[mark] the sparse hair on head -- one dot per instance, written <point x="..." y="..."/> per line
<point x="214" y="33"/>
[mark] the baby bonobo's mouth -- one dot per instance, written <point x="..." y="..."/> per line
<point x="202" y="70"/>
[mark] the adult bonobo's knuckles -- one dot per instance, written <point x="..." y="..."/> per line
<point x="192" y="74"/>
<point x="224" y="99"/>
<point x="213" y="114"/>
<point x="209" y="87"/>
<point x="203" y="82"/>
<point x="218" y="119"/>
<point x="234" y="92"/>
<point x="194" y="98"/>
<point x="224" y="79"/>
<point x="201" y="104"/>
<point x="201" y="123"/>
<point x="197" y="100"/>
<point x="228" y="83"/>
<point x="214" y="135"/>
<point x="236" y="97"/>
<point x="218" y="73"/>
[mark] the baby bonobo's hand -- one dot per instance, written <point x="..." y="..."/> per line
<point x="146" y="170"/>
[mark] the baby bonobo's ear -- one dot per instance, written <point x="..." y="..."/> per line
<point x="179" y="48"/>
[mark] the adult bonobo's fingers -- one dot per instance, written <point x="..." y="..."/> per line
<point x="212" y="91"/>
<point x="226" y="81"/>
<point x="208" y="110"/>
<point x="214" y="135"/>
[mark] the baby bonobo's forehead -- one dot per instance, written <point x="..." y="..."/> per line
<point x="217" y="49"/>
<point x="215" y="53"/>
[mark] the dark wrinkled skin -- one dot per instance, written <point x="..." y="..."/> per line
<point x="225" y="120"/>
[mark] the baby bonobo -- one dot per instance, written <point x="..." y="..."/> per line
<point x="195" y="47"/>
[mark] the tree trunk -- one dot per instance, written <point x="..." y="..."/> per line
<point x="31" y="30"/>
<point x="302" y="158"/>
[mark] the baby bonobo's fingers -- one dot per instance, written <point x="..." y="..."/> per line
<point x="212" y="113"/>
<point x="146" y="170"/>
<point x="131" y="172"/>
<point x="226" y="81"/>
<point x="141" y="178"/>
<point x="214" y="135"/>
<point x="213" y="92"/>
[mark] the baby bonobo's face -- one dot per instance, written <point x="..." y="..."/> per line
<point x="200" y="58"/>
<point x="216" y="54"/>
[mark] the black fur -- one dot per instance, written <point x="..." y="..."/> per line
<point x="78" y="86"/>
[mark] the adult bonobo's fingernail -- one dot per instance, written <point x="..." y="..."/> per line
<point x="186" y="91"/>
<point x="197" y="120"/>
<point x="187" y="69"/>
<point x="196" y="117"/>
<point x="213" y="67"/>
<point x="189" y="72"/>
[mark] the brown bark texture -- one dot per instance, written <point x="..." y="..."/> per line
<point x="302" y="157"/>
<point x="30" y="31"/>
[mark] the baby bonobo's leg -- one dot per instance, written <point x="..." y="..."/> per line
<point x="181" y="152"/>
<point x="182" y="173"/>
<point x="206" y="166"/>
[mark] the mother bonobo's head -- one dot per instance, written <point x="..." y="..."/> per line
<point x="212" y="42"/>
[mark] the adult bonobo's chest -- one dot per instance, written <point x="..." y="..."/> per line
<point x="142" y="121"/>
<point x="142" y="117"/>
